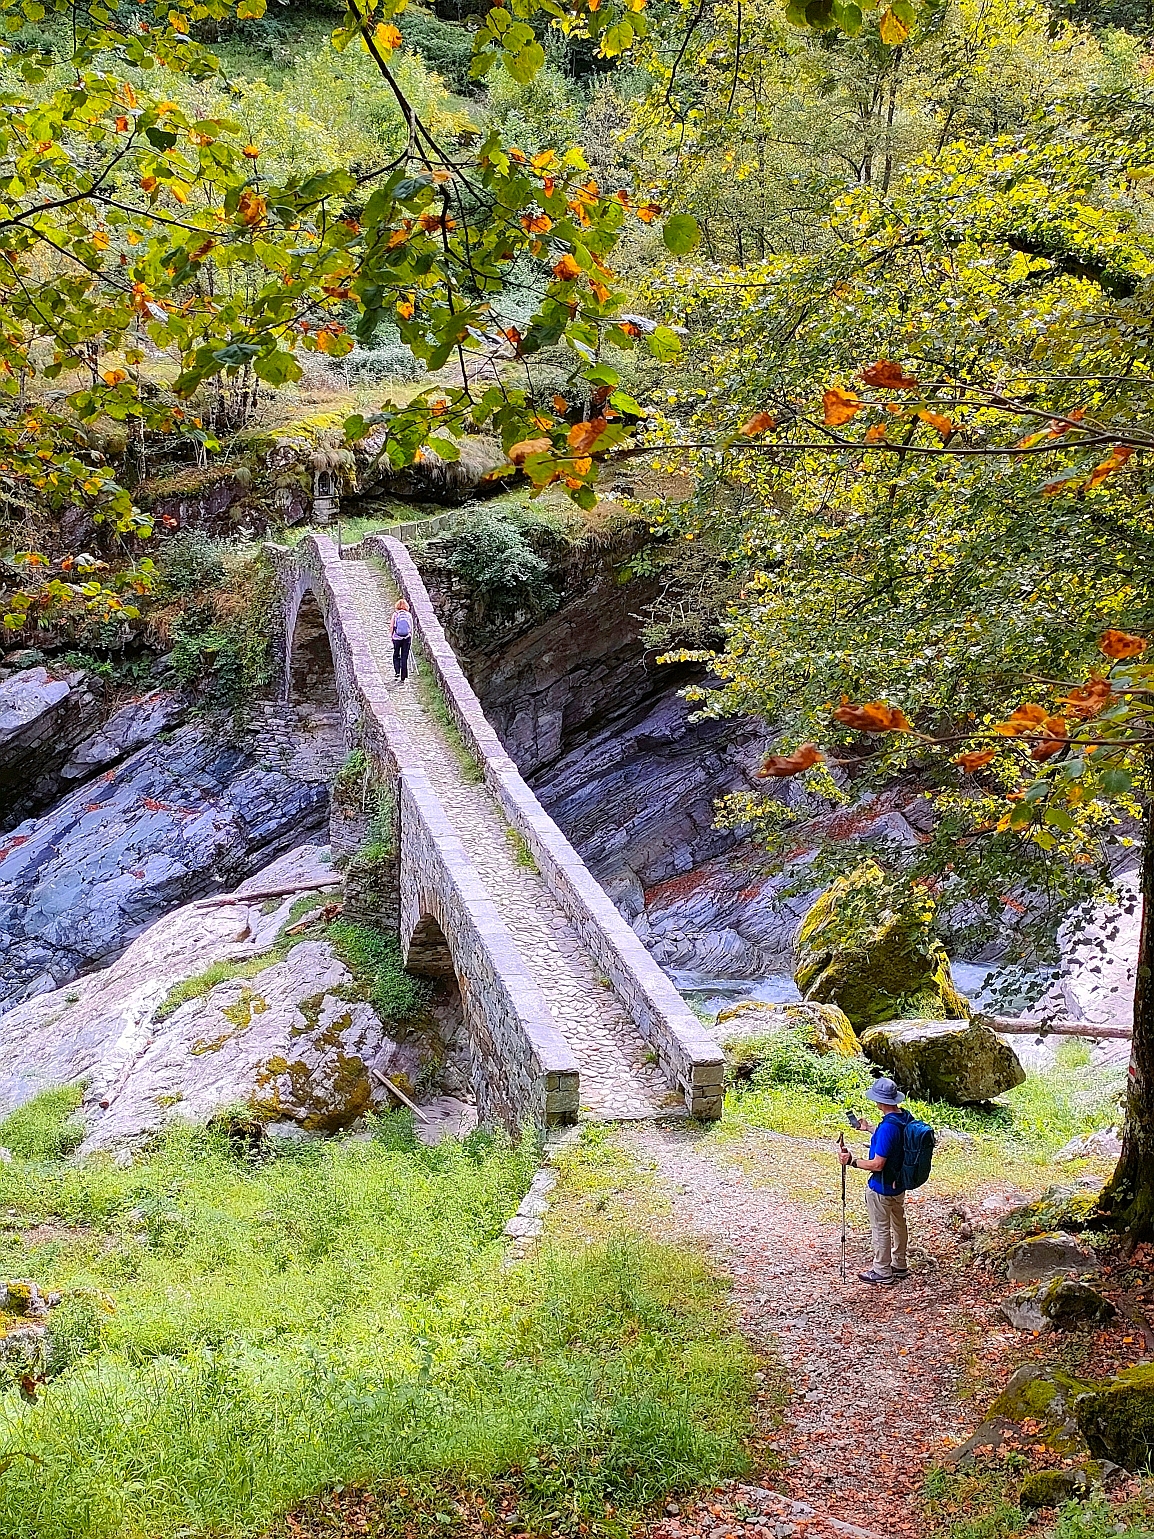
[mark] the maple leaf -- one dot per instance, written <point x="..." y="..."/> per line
<point x="520" y="452"/>
<point x="780" y="766"/>
<point x="1120" y="644"/>
<point x="584" y="435"/>
<point x="888" y="376"/>
<point x="566" y="269"/>
<point x="873" y="716"/>
<point x="840" y="406"/>
<point x="251" y="208"/>
<point x="759" y="423"/>
<point x="976" y="759"/>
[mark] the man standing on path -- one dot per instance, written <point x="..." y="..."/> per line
<point x="885" y="1197"/>
<point x="401" y="635"/>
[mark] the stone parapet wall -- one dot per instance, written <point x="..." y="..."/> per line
<point x="690" y="1058"/>
<point x="521" y="1068"/>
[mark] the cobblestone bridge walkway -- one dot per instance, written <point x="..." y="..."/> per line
<point x="619" y="1077"/>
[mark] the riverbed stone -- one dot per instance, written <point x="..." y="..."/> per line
<point x="962" y="1062"/>
<point x="855" y="951"/>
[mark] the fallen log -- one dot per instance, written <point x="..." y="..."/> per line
<point x="1006" y="1025"/>
<point x="245" y="898"/>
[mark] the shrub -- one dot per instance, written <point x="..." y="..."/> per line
<point x="492" y="556"/>
<point x="782" y="1058"/>
<point x="375" y="958"/>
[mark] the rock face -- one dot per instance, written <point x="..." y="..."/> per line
<point x="826" y="1029"/>
<point x="855" y="951"/>
<point x="293" y="1039"/>
<point x="44" y="717"/>
<point x="173" y="821"/>
<point x="961" y="1062"/>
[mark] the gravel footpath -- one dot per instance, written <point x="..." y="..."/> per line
<point x="871" y="1370"/>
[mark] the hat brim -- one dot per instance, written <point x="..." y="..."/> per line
<point x="884" y="1100"/>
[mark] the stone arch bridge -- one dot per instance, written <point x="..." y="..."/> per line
<point x="565" y="1012"/>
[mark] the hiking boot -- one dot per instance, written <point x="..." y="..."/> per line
<point x="876" y="1278"/>
<point x="900" y="1273"/>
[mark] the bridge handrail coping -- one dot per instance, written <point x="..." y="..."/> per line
<point x="688" y="1055"/>
<point x="387" y="740"/>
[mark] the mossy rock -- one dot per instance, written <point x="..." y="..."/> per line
<point x="1058" y="1208"/>
<point x="962" y="1062"/>
<point x="1117" y="1418"/>
<point x="823" y="1028"/>
<point x="1051" y="1488"/>
<point x="876" y="960"/>
<point x="1046" y="1397"/>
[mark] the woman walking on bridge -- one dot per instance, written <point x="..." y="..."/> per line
<point x="401" y="633"/>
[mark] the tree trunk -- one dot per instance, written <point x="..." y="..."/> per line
<point x="1128" y="1199"/>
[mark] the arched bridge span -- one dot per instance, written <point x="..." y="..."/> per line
<point x="564" y="1008"/>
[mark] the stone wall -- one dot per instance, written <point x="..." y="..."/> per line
<point x="689" y="1057"/>
<point x="521" y="1068"/>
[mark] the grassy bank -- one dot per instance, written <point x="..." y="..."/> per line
<point x="1010" y="1142"/>
<point x="239" y="1335"/>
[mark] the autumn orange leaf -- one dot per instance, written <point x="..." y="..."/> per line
<point x="1120" y="644"/>
<point x="977" y="759"/>
<point x="399" y="236"/>
<point x="122" y="125"/>
<point x="520" y="452"/>
<point x="875" y="434"/>
<point x="780" y="766"/>
<point x="584" y="435"/>
<point x="1116" y="459"/>
<point x="431" y="221"/>
<point x="759" y="423"/>
<point x="148" y="183"/>
<point x="1054" y="743"/>
<point x="250" y="152"/>
<point x="536" y="224"/>
<point x="114" y="376"/>
<point x="251" y="207"/>
<point x="648" y="212"/>
<point x="601" y="291"/>
<point x="1026" y="718"/>
<point x="1088" y="700"/>
<point x="566" y="269"/>
<point x="387" y="37"/>
<point x="840" y="406"/>
<point x="884" y="375"/>
<point x="943" y="424"/>
<point x="874" y="716"/>
<point x="560" y="405"/>
<point x="406" y="307"/>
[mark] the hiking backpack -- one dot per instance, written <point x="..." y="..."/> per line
<point x="917" y="1154"/>
<point x="402" y="626"/>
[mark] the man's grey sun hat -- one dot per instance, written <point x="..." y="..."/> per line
<point x="885" y="1093"/>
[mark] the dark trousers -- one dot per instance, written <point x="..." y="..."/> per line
<point x="401" y="645"/>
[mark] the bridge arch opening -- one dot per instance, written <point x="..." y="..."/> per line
<point x="312" y="673"/>
<point x="428" y="951"/>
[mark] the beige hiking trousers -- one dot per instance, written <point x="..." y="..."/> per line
<point x="888" y="1228"/>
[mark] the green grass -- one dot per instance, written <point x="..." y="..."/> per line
<point x="433" y="699"/>
<point x="203" y="983"/>
<point x="519" y="845"/>
<point x="797" y="1093"/>
<point x="375" y="958"/>
<point x="45" y="1128"/>
<point x="255" y="1332"/>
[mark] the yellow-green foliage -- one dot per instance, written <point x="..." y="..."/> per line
<point x="343" y="1311"/>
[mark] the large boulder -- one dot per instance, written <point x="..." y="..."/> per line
<point x="1043" y="1256"/>
<point x="877" y="960"/>
<point x="823" y="1028"/>
<point x="214" y="1006"/>
<point x="1063" y="1301"/>
<point x="1117" y="1418"/>
<point x="961" y="1062"/>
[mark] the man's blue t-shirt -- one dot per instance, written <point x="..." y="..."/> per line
<point x="887" y="1141"/>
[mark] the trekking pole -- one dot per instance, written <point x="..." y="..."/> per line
<point x="841" y="1141"/>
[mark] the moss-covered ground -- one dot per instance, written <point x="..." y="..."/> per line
<point x="245" y="1335"/>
